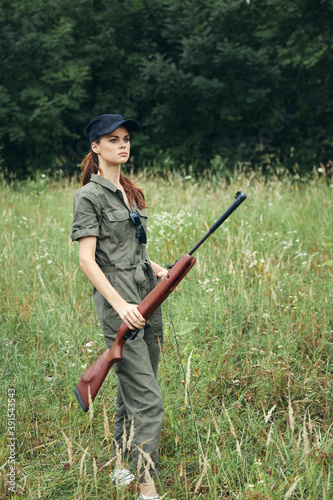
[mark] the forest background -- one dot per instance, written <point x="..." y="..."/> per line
<point x="214" y="84"/>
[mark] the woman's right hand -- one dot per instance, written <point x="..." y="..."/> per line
<point x="131" y="316"/>
<point x="129" y="313"/>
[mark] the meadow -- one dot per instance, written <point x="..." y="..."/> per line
<point x="246" y="371"/>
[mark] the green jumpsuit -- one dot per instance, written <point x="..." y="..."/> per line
<point x="100" y="210"/>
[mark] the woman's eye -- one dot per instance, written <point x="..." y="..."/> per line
<point x="115" y="140"/>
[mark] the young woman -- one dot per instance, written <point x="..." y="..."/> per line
<point x="110" y="223"/>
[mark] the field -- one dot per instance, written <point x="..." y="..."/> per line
<point x="246" y="372"/>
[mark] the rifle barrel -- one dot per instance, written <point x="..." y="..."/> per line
<point x="240" y="197"/>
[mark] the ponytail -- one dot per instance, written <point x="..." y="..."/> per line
<point x="90" y="166"/>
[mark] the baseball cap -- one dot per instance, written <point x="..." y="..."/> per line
<point x="105" y="124"/>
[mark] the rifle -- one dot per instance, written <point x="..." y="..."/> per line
<point x="93" y="378"/>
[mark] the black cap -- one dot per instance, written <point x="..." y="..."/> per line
<point x="104" y="124"/>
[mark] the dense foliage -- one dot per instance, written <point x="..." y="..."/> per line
<point x="213" y="83"/>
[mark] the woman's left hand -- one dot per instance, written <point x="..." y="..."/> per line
<point x="158" y="270"/>
<point x="162" y="273"/>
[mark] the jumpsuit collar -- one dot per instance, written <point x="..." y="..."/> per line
<point x="98" y="179"/>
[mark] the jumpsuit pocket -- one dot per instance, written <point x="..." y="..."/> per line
<point x="126" y="286"/>
<point x="109" y="319"/>
<point x="116" y="224"/>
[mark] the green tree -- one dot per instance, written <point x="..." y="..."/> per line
<point x="43" y="83"/>
<point x="241" y="80"/>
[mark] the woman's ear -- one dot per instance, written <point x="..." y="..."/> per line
<point x="94" y="147"/>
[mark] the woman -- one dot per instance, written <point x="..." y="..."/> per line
<point x="110" y="223"/>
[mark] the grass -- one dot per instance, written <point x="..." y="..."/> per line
<point x="246" y="372"/>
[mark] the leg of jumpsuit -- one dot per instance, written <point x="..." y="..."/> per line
<point x="139" y="400"/>
<point x="139" y="397"/>
<point x="121" y="430"/>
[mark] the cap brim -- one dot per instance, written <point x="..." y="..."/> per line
<point x="130" y="125"/>
<point x="92" y="130"/>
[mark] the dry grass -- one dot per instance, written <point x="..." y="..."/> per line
<point x="246" y="372"/>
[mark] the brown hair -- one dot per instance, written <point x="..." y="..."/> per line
<point x="90" y="165"/>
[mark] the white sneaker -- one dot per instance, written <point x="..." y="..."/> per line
<point x="123" y="477"/>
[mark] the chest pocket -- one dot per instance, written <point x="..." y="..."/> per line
<point x="116" y="225"/>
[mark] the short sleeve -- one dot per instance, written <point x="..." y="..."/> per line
<point x="85" y="216"/>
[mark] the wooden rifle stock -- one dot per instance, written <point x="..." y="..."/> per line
<point x="93" y="378"/>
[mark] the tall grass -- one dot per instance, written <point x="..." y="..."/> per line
<point x="246" y="371"/>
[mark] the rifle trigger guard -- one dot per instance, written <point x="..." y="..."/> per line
<point x="132" y="334"/>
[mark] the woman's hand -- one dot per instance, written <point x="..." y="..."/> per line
<point x="131" y="316"/>
<point x="128" y="313"/>
<point x="162" y="273"/>
<point x="158" y="270"/>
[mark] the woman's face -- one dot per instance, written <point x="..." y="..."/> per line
<point x="113" y="148"/>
